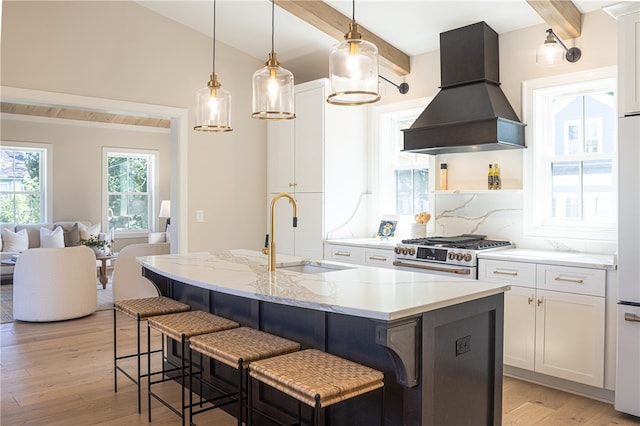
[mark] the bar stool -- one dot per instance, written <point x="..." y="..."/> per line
<point x="315" y="378"/>
<point x="236" y="348"/>
<point x="181" y="327"/>
<point x="140" y="310"/>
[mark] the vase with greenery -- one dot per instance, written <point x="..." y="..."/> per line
<point x="100" y="247"/>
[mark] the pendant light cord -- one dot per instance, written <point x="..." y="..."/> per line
<point x="273" y="6"/>
<point x="214" y="37"/>
<point x="353" y="10"/>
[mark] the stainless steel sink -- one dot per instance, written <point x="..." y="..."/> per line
<point x="312" y="268"/>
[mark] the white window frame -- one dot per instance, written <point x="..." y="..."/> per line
<point x="153" y="186"/>
<point x="46" y="171"/>
<point x="537" y="180"/>
<point x="382" y="172"/>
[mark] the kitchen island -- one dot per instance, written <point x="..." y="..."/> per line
<point x="437" y="339"/>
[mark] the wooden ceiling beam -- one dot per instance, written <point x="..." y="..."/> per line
<point x="330" y="21"/>
<point x="81" y="115"/>
<point x="561" y="15"/>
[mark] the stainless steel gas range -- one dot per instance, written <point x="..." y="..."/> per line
<point x="445" y="255"/>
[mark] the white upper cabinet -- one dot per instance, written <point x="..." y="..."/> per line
<point x="321" y="158"/>
<point x="280" y="156"/>
<point x="628" y="15"/>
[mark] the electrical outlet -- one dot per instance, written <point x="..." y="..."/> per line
<point x="463" y="345"/>
<point x="199" y="215"/>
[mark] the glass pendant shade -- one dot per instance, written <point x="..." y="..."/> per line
<point x="213" y="108"/>
<point x="353" y="71"/>
<point x="273" y="92"/>
<point x="550" y="53"/>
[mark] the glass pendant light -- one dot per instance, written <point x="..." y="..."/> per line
<point x="353" y="69"/>
<point x="213" y="103"/>
<point x="273" y="87"/>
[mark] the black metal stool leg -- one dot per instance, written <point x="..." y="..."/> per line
<point x="139" y="374"/>
<point x="115" y="354"/>
<point x="149" y="369"/>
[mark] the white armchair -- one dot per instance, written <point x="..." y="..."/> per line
<point x="53" y="284"/>
<point x="127" y="281"/>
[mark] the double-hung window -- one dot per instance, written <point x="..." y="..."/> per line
<point x="24" y="183"/>
<point x="403" y="180"/>
<point x="130" y="190"/>
<point x="571" y="160"/>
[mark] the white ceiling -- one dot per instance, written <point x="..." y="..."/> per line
<point x="412" y="26"/>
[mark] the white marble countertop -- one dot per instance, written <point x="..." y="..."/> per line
<point x="550" y="257"/>
<point x="376" y="243"/>
<point x="370" y="292"/>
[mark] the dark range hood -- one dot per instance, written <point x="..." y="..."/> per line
<point x="470" y="113"/>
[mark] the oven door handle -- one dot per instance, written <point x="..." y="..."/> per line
<point x="433" y="268"/>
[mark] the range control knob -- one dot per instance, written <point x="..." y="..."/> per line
<point x="459" y="256"/>
<point x="412" y="251"/>
<point x="467" y="257"/>
<point x="398" y="250"/>
<point x="451" y="255"/>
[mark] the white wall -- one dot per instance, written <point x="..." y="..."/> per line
<point x="119" y="50"/>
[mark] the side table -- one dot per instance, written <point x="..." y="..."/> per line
<point x="103" y="269"/>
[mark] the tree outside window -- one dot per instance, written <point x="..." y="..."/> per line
<point x="21" y="187"/>
<point x="130" y="183"/>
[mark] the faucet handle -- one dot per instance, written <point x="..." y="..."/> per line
<point x="265" y="249"/>
<point x="295" y="222"/>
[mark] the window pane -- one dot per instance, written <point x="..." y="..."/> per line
<point x="404" y="192"/>
<point x="600" y="119"/>
<point x="127" y="174"/>
<point x="598" y="190"/>
<point x="20" y="185"/>
<point x="128" y="212"/>
<point x="420" y="190"/>
<point x="565" y="188"/>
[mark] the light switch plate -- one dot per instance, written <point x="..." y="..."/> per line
<point x="199" y="215"/>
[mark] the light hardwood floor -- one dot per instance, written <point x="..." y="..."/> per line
<point x="61" y="374"/>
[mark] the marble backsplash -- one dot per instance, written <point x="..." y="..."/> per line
<point x="499" y="215"/>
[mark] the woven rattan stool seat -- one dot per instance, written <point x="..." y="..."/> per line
<point x="140" y="310"/>
<point x="184" y="325"/>
<point x="149" y="307"/>
<point x="242" y="344"/>
<point x="311" y="374"/>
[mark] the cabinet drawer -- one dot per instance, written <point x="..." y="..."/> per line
<point x="572" y="280"/>
<point x="348" y="254"/>
<point x="379" y="257"/>
<point x="515" y="273"/>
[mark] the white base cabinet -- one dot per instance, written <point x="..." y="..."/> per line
<point x="361" y="255"/>
<point x="554" y="318"/>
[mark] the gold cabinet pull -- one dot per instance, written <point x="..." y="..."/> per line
<point x="383" y="259"/>
<point x="291" y="184"/>
<point x="529" y="300"/>
<point x="569" y="280"/>
<point x="540" y="301"/>
<point x="630" y="316"/>
<point x="343" y="253"/>
<point x="511" y="273"/>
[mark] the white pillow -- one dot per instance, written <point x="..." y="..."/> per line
<point x="87" y="232"/>
<point x="52" y="239"/>
<point x="157" y="237"/>
<point x="15" y="241"/>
